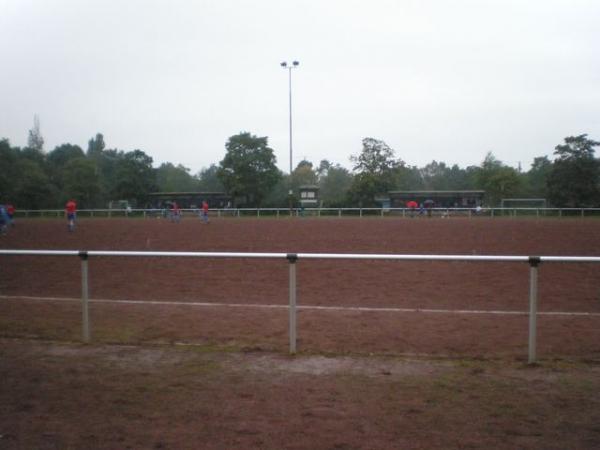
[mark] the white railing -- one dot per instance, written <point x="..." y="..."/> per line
<point x="327" y="212"/>
<point x="292" y="258"/>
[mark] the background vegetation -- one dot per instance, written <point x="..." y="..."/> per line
<point x="32" y="178"/>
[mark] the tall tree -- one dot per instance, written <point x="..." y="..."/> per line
<point x="96" y="145"/>
<point x="334" y="185"/>
<point x="8" y="160"/>
<point x="497" y="180"/>
<point x="208" y="179"/>
<point x="575" y="176"/>
<point x="58" y="158"/>
<point x="537" y="177"/>
<point x="135" y="177"/>
<point x="32" y="188"/>
<point x="170" y="178"/>
<point x="35" y="139"/>
<point x="375" y="168"/>
<point x="248" y="169"/>
<point x="434" y="176"/>
<point x="81" y="181"/>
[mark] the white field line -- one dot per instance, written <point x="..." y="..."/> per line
<point x="306" y="307"/>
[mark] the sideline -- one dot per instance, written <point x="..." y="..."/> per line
<point x="305" y="307"/>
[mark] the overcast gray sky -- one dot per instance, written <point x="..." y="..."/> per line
<point x="435" y="79"/>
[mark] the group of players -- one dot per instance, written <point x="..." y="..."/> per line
<point x="7" y="213"/>
<point x="175" y="212"/>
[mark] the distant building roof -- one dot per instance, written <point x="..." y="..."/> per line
<point x="438" y="192"/>
<point x="187" y="193"/>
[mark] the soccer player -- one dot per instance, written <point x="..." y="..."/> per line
<point x="205" y="211"/>
<point x="71" y="212"/>
<point x="10" y="211"/>
<point x="4" y="220"/>
<point x="175" y="212"/>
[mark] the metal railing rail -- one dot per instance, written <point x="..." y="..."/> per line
<point x="292" y="258"/>
<point x="286" y="212"/>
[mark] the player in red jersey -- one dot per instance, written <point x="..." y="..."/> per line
<point x="71" y="212"/>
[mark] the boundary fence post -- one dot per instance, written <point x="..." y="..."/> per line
<point x="85" y="313"/>
<point x="534" y="262"/>
<point x="292" y="258"/>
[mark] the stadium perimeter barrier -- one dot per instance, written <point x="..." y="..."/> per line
<point x="326" y="212"/>
<point x="292" y="258"/>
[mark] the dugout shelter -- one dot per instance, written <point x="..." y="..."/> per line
<point x="186" y="200"/>
<point x="441" y="199"/>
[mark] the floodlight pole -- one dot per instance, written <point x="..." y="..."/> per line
<point x="289" y="67"/>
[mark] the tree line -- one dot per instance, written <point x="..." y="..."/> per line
<point x="32" y="178"/>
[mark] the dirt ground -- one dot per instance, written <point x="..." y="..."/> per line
<point x="178" y="374"/>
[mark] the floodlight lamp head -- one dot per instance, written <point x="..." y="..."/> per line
<point x="284" y="64"/>
<point x="295" y="63"/>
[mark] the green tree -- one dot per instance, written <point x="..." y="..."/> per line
<point x="497" y="180"/>
<point x="536" y="178"/>
<point x="334" y="183"/>
<point x="376" y="172"/>
<point x="438" y="176"/>
<point x="34" y="138"/>
<point x="408" y="178"/>
<point x="63" y="154"/>
<point x="279" y="194"/>
<point x="32" y="186"/>
<point x="135" y="177"/>
<point x="81" y="182"/>
<point x="435" y="176"/>
<point x="170" y="178"/>
<point x="575" y="175"/>
<point x="8" y="161"/>
<point x="208" y="179"/>
<point x="58" y="158"/>
<point x="248" y="170"/>
<point x="96" y="145"/>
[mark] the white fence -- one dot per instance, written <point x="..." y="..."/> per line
<point x="292" y="258"/>
<point x="326" y="212"/>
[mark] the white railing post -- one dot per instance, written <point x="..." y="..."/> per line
<point x="292" y="258"/>
<point x="85" y="314"/>
<point x="534" y="261"/>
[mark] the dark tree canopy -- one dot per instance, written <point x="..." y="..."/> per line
<point x="32" y="178"/>
<point x="376" y="170"/>
<point x="248" y="170"/>
<point x="574" y="180"/>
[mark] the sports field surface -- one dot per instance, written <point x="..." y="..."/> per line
<point x="192" y="352"/>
